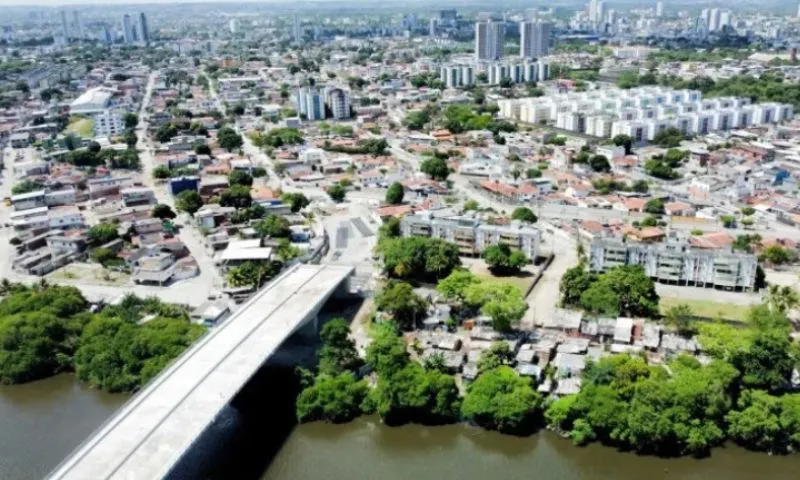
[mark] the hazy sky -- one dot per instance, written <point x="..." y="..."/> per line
<point x="55" y="3"/>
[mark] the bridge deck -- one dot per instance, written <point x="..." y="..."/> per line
<point x="148" y="436"/>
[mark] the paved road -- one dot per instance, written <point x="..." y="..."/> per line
<point x="209" y="277"/>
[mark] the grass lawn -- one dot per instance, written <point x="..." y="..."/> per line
<point x="83" y="127"/>
<point x="708" y="308"/>
<point x="522" y="281"/>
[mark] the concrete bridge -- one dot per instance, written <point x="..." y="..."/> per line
<point x="151" y="433"/>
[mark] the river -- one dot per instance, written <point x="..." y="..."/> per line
<point x="42" y="422"/>
<point x="365" y="449"/>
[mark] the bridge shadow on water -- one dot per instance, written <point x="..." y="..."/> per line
<point x="250" y="431"/>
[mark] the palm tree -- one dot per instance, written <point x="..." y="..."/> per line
<point x="783" y="298"/>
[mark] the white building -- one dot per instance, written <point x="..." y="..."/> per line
<point x="518" y="72"/>
<point x="309" y="103"/>
<point x="339" y="102"/>
<point x="455" y="76"/>
<point x="660" y="8"/>
<point x="470" y="235"/>
<point x="675" y="262"/>
<point x="534" y="39"/>
<point x="233" y="26"/>
<point x="489" y="40"/>
<point x="98" y="103"/>
<point x="643" y="112"/>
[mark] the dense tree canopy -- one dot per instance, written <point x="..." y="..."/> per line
<point x="48" y="329"/>
<point x="237" y="196"/>
<point x="228" y="139"/>
<point x="624" y="290"/>
<point x="119" y="356"/>
<point x="332" y="398"/>
<point x="501" y="400"/>
<point x="501" y="301"/>
<point x="624" y="402"/>
<point x="419" y="258"/>
<point x="399" y="300"/>
<point x="338" y="353"/>
<point x="273" y="226"/>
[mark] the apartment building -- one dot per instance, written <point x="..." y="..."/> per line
<point x="643" y="112"/>
<point x="455" y="76"/>
<point x="534" y="39"/>
<point x="338" y="101"/>
<point x="489" y="39"/>
<point x="676" y="263"/>
<point x="471" y="235"/>
<point x="519" y="72"/>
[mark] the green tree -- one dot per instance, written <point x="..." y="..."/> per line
<point x="130" y="120"/>
<point x="575" y="281"/>
<point x="395" y="193"/>
<point x="455" y="285"/>
<point x="624" y="290"/>
<point x="252" y="273"/>
<point x="387" y="353"/>
<point x="189" y="201"/>
<point x="640" y="186"/>
<point x="436" y="168"/>
<point x="497" y="355"/>
<point x="237" y="196"/>
<point x="273" y="226"/>
<point x="337" y="192"/>
<point x="777" y="255"/>
<point x="102" y="233"/>
<point x="501" y="301"/>
<point x="680" y="317"/>
<point x="163" y="212"/>
<point x="399" y="300"/>
<point x="119" y="356"/>
<point x="338" y="353"/>
<point x="413" y="394"/>
<point x="765" y="422"/>
<point x="624" y="141"/>
<point x="471" y="206"/>
<point x="298" y="201"/>
<point x="162" y="172"/>
<point x="524" y="214"/>
<point x="654" y="206"/>
<point x="599" y="163"/>
<point x="332" y="398"/>
<point x="504" y="260"/>
<point x="418" y="257"/>
<point x="501" y="400"/>
<point x="240" y="177"/>
<point x="228" y="139"/>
